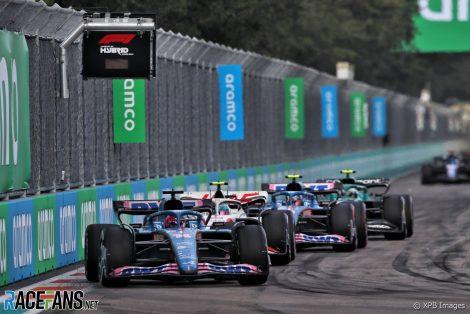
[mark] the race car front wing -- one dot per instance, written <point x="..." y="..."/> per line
<point x="171" y="269"/>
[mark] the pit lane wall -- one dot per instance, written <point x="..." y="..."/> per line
<point x="45" y="232"/>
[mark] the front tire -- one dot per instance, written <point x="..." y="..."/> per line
<point x="117" y="250"/>
<point x="409" y="214"/>
<point x="394" y="212"/>
<point x="360" y="216"/>
<point x="93" y="250"/>
<point x="276" y="226"/>
<point x="342" y="223"/>
<point x="252" y="249"/>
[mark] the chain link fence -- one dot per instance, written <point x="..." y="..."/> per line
<point x="72" y="139"/>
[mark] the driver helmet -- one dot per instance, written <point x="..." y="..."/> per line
<point x="170" y="222"/>
<point x="224" y="209"/>
<point x="353" y="192"/>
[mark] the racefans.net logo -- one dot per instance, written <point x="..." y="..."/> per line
<point x="48" y="300"/>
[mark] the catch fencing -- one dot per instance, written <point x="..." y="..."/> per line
<point x="72" y="139"/>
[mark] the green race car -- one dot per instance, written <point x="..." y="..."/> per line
<point x="387" y="214"/>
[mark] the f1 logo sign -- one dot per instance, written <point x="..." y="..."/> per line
<point x="117" y="39"/>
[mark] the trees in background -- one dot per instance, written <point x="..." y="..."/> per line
<point x="317" y="33"/>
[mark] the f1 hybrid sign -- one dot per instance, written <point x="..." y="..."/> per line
<point x="116" y="54"/>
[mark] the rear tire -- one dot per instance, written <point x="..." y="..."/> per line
<point x="117" y="244"/>
<point x="361" y="224"/>
<point x="342" y="220"/>
<point x="409" y="214"/>
<point x="276" y="226"/>
<point x="394" y="212"/>
<point x="93" y="250"/>
<point x="252" y="249"/>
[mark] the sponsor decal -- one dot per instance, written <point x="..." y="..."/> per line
<point x="379" y="116"/>
<point x="106" y="210"/>
<point x="88" y="217"/>
<point x="359" y="115"/>
<point x="441" y="24"/>
<point x="294" y="107"/>
<point x="117" y="39"/>
<point x="22" y="240"/>
<point x="129" y="111"/>
<point x="231" y="102"/>
<point x="68" y="229"/>
<point x="379" y="227"/>
<point x="3" y="246"/>
<point x="329" y="102"/>
<point x="45" y="238"/>
<point x="15" y="156"/>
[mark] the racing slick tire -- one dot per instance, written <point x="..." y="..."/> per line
<point x="360" y="216"/>
<point x="409" y="214"/>
<point x="93" y="250"/>
<point x="117" y="249"/>
<point x="276" y="226"/>
<point x="342" y="223"/>
<point x="394" y="212"/>
<point x="252" y="249"/>
<point x="293" y="246"/>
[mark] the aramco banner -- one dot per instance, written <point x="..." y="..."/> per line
<point x="231" y="102"/>
<point x="359" y="114"/>
<point x="329" y="112"/>
<point x="379" y="116"/>
<point x="129" y="110"/>
<point x="294" y="107"/>
<point x="442" y="26"/>
<point x="15" y="154"/>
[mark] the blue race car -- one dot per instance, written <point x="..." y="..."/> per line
<point x="317" y="223"/>
<point x="173" y="243"/>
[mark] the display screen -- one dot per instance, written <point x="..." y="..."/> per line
<point x="116" y="64"/>
<point x="116" y="54"/>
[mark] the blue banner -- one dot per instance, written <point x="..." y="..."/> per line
<point x="329" y="112"/>
<point x="231" y="102"/>
<point x="379" y="116"/>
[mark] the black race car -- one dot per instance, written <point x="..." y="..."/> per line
<point x="450" y="168"/>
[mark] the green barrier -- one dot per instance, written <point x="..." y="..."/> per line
<point x="43" y="244"/>
<point x="15" y="154"/>
<point x="86" y="215"/>
<point x="4" y="241"/>
<point x="153" y="189"/>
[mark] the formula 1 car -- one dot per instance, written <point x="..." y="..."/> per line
<point x="173" y="244"/>
<point x="331" y="223"/>
<point x="451" y="168"/>
<point x="234" y="206"/>
<point x="387" y="214"/>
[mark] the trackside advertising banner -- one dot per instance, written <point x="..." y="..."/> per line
<point x="442" y="26"/>
<point x="329" y="112"/>
<point x="129" y="110"/>
<point x="15" y="154"/>
<point x="231" y="102"/>
<point x="358" y="114"/>
<point x="294" y="107"/>
<point x="379" y="116"/>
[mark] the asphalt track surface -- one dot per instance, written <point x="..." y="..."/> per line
<point x="386" y="277"/>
